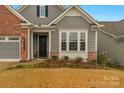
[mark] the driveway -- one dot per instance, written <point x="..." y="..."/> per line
<point x="5" y="65"/>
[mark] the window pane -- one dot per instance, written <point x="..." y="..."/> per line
<point x="82" y="36"/>
<point x="63" y="36"/>
<point x="42" y="10"/>
<point x="2" y="38"/>
<point x="72" y="45"/>
<point x="73" y="41"/>
<point x="82" y="45"/>
<point x="63" y="45"/>
<point x="73" y="36"/>
<point x="13" y="38"/>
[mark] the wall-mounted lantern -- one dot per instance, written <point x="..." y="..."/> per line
<point x="23" y="42"/>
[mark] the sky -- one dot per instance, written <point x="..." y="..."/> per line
<point x="103" y="12"/>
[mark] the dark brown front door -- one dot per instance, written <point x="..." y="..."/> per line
<point x="42" y="46"/>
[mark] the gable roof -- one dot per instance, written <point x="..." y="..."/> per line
<point x="87" y="16"/>
<point x="20" y="8"/>
<point x="16" y="13"/>
<point x="115" y="28"/>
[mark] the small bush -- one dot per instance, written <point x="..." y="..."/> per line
<point x="54" y="58"/>
<point x="20" y="66"/>
<point x="66" y="58"/>
<point x="24" y="66"/>
<point x="103" y="59"/>
<point x="94" y="61"/>
<point x="78" y="59"/>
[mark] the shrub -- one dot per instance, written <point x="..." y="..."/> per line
<point x="24" y="66"/>
<point x="54" y="58"/>
<point x="94" y="61"/>
<point x="78" y="59"/>
<point x="20" y="66"/>
<point x="66" y="58"/>
<point x="103" y="59"/>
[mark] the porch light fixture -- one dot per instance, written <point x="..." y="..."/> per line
<point x="23" y="42"/>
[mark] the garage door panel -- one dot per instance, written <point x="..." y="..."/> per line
<point x="9" y="50"/>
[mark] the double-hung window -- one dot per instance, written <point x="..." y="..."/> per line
<point x="42" y="11"/>
<point x="63" y="42"/>
<point x="73" y="41"/>
<point x="82" y="41"/>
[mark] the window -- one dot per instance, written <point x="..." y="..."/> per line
<point x="2" y="38"/>
<point x="73" y="41"/>
<point x="82" y="41"/>
<point x="13" y="38"/>
<point x="63" y="42"/>
<point x="42" y="11"/>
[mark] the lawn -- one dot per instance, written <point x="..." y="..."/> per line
<point x="61" y="77"/>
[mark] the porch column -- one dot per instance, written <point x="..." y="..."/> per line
<point x="32" y="46"/>
<point x="49" y="44"/>
<point x="28" y="43"/>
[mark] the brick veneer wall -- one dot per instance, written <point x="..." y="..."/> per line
<point x="10" y="26"/>
<point x="92" y="55"/>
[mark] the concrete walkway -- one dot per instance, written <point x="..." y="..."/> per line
<point x="5" y="65"/>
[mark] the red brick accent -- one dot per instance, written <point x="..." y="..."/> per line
<point x="55" y="54"/>
<point x="10" y="26"/>
<point x="91" y="55"/>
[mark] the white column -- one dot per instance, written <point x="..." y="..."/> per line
<point x="78" y="41"/>
<point x="32" y="46"/>
<point x="49" y="44"/>
<point x="86" y="40"/>
<point x="28" y="43"/>
<point x="59" y="44"/>
<point x="96" y="35"/>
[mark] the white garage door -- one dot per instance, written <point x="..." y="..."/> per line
<point x="9" y="48"/>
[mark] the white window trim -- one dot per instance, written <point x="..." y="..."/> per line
<point x="67" y="39"/>
<point x="44" y="11"/>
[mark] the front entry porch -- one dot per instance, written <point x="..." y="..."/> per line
<point x="41" y="45"/>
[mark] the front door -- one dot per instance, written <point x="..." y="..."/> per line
<point x="42" y="46"/>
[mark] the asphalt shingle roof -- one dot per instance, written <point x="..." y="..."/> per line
<point x="114" y="27"/>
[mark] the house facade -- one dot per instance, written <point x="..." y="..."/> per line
<point x="37" y="32"/>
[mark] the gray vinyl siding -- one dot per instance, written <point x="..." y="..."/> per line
<point x="73" y="23"/>
<point x="9" y="50"/>
<point x="55" y="41"/>
<point x="30" y="13"/>
<point x="114" y="48"/>
<point x="91" y="40"/>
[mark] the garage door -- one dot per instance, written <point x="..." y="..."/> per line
<point x="9" y="48"/>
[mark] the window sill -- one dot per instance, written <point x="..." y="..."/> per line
<point x="42" y="17"/>
<point x="73" y="51"/>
